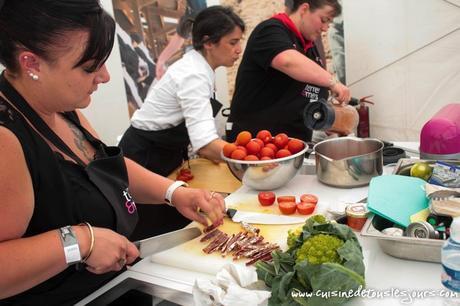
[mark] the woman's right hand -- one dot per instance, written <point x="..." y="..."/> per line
<point x="111" y="252"/>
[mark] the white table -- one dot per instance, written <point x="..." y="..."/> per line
<point x="396" y="279"/>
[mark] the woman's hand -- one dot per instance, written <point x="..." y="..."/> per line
<point x="341" y="92"/>
<point x="189" y="201"/>
<point x="111" y="252"/>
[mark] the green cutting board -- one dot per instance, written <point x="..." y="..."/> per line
<point x="397" y="197"/>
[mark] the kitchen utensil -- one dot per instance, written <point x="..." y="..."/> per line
<point x="266" y="174"/>
<point x="261" y="218"/>
<point x="323" y="115"/>
<point x="166" y="241"/>
<point x="440" y="136"/>
<point x="397" y="197"/>
<point x="348" y="162"/>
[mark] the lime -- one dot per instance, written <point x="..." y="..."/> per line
<point x="422" y="170"/>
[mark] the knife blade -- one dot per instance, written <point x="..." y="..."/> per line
<point x="165" y="241"/>
<point x="261" y="218"/>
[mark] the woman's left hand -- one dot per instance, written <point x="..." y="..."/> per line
<point x="190" y="201"/>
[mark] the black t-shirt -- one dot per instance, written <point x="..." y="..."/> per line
<point x="63" y="195"/>
<point x="266" y="98"/>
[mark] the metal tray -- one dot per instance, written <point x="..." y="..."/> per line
<point x="404" y="247"/>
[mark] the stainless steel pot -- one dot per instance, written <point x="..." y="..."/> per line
<point x="348" y="162"/>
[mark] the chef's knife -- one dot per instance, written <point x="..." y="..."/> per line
<point x="166" y="241"/>
<point x="261" y="218"/>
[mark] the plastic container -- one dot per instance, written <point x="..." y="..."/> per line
<point x="356" y="215"/>
<point x="450" y="260"/>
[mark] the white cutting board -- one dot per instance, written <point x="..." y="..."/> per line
<point x="190" y="256"/>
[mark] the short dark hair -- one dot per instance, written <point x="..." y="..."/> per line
<point x="39" y="26"/>
<point x="293" y="5"/>
<point x="212" y="23"/>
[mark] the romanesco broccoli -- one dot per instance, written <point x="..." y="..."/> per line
<point x="293" y="234"/>
<point x="319" y="249"/>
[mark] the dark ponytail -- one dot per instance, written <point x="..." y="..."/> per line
<point x="212" y="23"/>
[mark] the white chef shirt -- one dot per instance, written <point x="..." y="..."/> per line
<point x="182" y="93"/>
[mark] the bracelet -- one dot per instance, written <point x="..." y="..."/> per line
<point x="70" y="244"/>
<point x="171" y="189"/>
<point x="91" y="245"/>
<point x="333" y="81"/>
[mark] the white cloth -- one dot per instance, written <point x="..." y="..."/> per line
<point x="182" y="93"/>
<point x="234" y="285"/>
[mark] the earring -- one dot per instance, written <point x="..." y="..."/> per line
<point x="33" y="76"/>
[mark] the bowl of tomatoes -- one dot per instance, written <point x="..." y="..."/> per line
<point x="264" y="162"/>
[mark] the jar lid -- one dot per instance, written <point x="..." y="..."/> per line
<point x="357" y="210"/>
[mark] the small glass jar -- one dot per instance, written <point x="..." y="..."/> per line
<point x="356" y="215"/>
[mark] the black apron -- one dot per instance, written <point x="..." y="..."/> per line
<point x="161" y="152"/>
<point x="107" y="171"/>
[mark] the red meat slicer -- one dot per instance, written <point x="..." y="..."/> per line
<point x="440" y="136"/>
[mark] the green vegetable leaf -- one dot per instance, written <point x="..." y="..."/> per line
<point x="265" y="271"/>
<point x="338" y="268"/>
<point x="353" y="257"/>
<point x="332" y="279"/>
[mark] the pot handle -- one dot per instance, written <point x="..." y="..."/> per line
<point x="310" y="153"/>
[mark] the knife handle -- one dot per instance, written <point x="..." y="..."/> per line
<point x="231" y="212"/>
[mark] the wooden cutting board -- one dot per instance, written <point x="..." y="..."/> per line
<point x="190" y="255"/>
<point x="211" y="176"/>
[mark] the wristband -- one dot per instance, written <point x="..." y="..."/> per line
<point x="70" y="244"/>
<point x="171" y="189"/>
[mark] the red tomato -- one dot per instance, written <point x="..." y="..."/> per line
<point x="272" y="146"/>
<point x="260" y="142"/>
<point x="243" y="148"/>
<point x="265" y="136"/>
<point x="295" y="145"/>
<point x="228" y="149"/>
<point x="266" y="198"/>
<point x="305" y="208"/>
<point x="282" y="199"/>
<point x="281" y="140"/>
<point x="265" y="158"/>
<point x="253" y="147"/>
<point x="185" y="171"/>
<point x="251" y="157"/>
<point x="287" y="208"/>
<point x="309" y="198"/>
<point x="238" y="154"/>
<point x="282" y="153"/>
<point x="243" y="138"/>
<point x="268" y="152"/>
<point x="184" y="177"/>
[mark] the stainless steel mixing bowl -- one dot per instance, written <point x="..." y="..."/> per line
<point x="348" y="162"/>
<point x="266" y="174"/>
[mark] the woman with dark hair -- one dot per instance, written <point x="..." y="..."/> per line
<point x="178" y="110"/>
<point x="66" y="201"/>
<point x="281" y="71"/>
